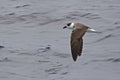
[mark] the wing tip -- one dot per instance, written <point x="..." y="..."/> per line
<point x="74" y="59"/>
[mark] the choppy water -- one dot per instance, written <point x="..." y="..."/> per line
<point x="33" y="44"/>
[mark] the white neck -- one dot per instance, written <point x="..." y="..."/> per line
<point x="72" y="24"/>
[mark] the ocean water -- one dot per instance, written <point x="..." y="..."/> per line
<point x="33" y="45"/>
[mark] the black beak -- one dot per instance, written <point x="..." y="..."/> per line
<point x="64" y="27"/>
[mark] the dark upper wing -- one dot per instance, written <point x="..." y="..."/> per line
<point x="77" y="43"/>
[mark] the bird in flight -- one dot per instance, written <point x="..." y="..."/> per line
<point x="76" y="42"/>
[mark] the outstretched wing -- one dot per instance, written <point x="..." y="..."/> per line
<point x="77" y="43"/>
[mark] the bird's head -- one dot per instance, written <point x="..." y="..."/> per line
<point x="69" y="26"/>
<point x="73" y="26"/>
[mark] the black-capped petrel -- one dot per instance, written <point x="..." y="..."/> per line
<point x="78" y="31"/>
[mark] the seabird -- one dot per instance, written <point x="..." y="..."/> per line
<point x="78" y="31"/>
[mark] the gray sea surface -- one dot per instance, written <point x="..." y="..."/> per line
<point x="33" y="45"/>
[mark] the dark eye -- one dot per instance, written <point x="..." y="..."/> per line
<point x="68" y="24"/>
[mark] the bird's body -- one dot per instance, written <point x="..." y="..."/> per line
<point x="78" y="31"/>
